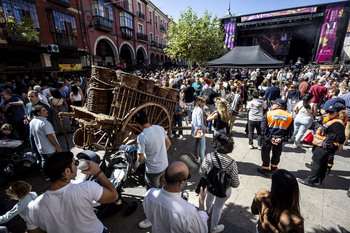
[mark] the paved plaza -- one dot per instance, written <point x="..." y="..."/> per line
<point x="323" y="208"/>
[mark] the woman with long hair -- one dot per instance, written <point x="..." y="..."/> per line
<point x="76" y="96"/>
<point x="223" y="145"/>
<point x="21" y="191"/>
<point x="305" y="112"/>
<point x="199" y="128"/>
<point x="292" y="98"/>
<point x="221" y="117"/>
<point x="58" y="104"/>
<point x="279" y="209"/>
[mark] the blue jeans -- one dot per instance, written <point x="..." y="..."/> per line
<point x="216" y="132"/>
<point x="199" y="148"/>
<point x="177" y="120"/>
<point x="300" y="126"/>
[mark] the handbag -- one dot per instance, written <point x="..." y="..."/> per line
<point x="309" y="138"/>
<point x="198" y="133"/>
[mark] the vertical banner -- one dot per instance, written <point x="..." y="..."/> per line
<point x="328" y="35"/>
<point x="230" y="29"/>
<point x="346" y="45"/>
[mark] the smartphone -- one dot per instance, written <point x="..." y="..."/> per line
<point x="202" y="183"/>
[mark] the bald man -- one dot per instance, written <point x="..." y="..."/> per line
<point x="167" y="211"/>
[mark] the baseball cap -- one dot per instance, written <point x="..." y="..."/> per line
<point x="280" y="102"/>
<point x="322" y="80"/>
<point x="334" y="107"/>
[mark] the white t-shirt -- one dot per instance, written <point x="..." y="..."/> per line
<point x="68" y="209"/>
<point x="304" y="112"/>
<point x="151" y="143"/>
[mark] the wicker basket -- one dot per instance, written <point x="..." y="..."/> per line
<point x="146" y="85"/>
<point x="104" y="74"/>
<point x="127" y="79"/>
<point x="78" y="138"/>
<point x="99" y="100"/>
<point x="159" y="91"/>
<point x="172" y="94"/>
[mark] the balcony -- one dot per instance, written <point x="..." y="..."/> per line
<point x="103" y="23"/>
<point x="141" y="15"/>
<point x="141" y="36"/>
<point x="127" y="32"/>
<point x="159" y="46"/>
<point x="162" y="28"/>
<point x="64" y="3"/>
<point x="65" y="40"/>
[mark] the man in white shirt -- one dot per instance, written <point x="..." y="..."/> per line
<point x="42" y="98"/>
<point x="170" y="213"/>
<point x="67" y="207"/>
<point x="152" y="146"/>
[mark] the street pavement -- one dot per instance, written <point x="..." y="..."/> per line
<point x="323" y="208"/>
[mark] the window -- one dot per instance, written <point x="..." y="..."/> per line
<point x="156" y="21"/>
<point x="161" y="41"/>
<point x="20" y="9"/>
<point x="64" y="23"/>
<point x="150" y="17"/>
<point x="103" y="10"/>
<point x="139" y="9"/>
<point x="126" y="24"/>
<point x="161" y="22"/>
<point x="140" y="28"/>
<point x="157" y="39"/>
<point x="151" y="36"/>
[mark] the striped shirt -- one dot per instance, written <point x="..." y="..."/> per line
<point x="225" y="161"/>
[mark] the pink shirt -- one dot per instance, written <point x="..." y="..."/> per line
<point x="318" y="91"/>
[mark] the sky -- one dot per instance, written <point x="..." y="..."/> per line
<point x="238" y="7"/>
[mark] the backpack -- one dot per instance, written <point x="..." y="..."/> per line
<point x="218" y="179"/>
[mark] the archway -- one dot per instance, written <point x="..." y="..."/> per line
<point x="126" y="54"/>
<point x="141" y="56"/>
<point x="162" y="60"/>
<point x="105" y="52"/>
<point x="153" y="62"/>
<point x="157" y="59"/>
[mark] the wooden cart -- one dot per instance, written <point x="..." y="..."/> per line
<point x="113" y="99"/>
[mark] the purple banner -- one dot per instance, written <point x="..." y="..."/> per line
<point x="280" y="13"/>
<point x="230" y="29"/>
<point x="328" y="36"/>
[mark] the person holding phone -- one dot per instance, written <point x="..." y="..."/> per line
<point x="199" y="128"/>
<point x="223" y="144"/>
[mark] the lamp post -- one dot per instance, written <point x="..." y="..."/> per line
<point x="90" y="26"/>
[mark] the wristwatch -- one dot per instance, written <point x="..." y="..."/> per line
<point x="98" y="173"/>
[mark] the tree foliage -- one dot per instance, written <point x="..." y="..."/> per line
<point x="195" y="39"/>
<point x="23" y="28"/>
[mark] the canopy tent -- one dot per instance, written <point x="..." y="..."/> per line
<point x="246" y="57"/>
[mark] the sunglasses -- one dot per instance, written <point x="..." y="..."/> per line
<point x="188" y="177"/>
<point x="76" y="162"/>
<point x="329" y="112"/>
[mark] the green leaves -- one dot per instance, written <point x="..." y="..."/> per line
<point x="195" y="39"/>
<point x="23" y="28"/>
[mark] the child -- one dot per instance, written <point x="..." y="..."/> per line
<point x="20" y="191"/>
<point x="7" y="132"/>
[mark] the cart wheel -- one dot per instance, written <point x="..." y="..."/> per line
<point x="78" y="138"/>
<point x="128" y="131"/>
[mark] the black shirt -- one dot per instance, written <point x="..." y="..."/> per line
<point x="210" y="95"/>
<point x="189" y="94"/>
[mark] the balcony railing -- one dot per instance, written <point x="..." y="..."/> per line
<point x="141" y="36"/>
<point x="103" y="23"/>
<point x="64" y="3"/>
<point x="141" y="15"/>
<point x="156" y="45"/>
<point x="162" y="28"/>
<point x="127" y="32"/>
<point x="65" y="40"/>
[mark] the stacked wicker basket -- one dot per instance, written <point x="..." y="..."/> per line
<point x="109" y="88"/>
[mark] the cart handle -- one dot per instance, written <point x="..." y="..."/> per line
<point x="99" y="147"/>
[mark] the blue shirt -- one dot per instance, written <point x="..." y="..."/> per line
<point x="17" y="110"/>
<point x="346" y="97"/>
<point x="273" y="93"/>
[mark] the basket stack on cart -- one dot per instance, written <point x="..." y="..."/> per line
<point x="112" y="99"/>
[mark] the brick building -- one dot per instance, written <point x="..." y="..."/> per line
<point x="76" y="33"/>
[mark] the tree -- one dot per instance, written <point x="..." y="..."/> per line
<point x="195" y="39"/>
<point x="23" y="28"/>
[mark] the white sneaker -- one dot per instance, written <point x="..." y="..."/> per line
<point x="251" y="147"/>
<point x="145" y="224"/>
<point x="172" y="135"/>
<point x="298" y="145"/>
<point x="259" y="147"/>
<point x="218" y="228"/>
<point x="181" y="137"/>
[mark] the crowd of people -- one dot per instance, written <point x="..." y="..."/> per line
<point x="279" y="105"/>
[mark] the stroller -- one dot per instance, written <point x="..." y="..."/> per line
<point x="121" y="164"/>
<point x="14" y="157"/>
